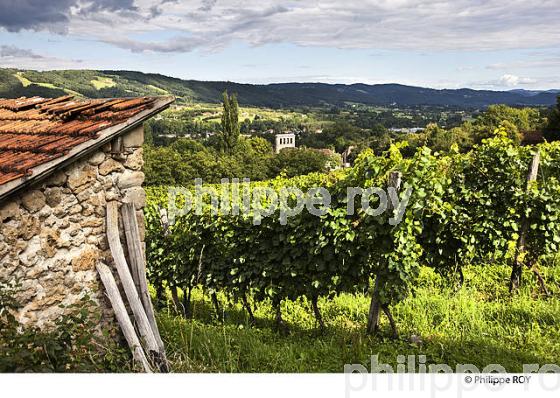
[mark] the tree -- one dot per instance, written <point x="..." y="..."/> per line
<point x="516" y="120"/>
<point x="300" y="161"/>
<point x="552" y="129"/>
<point x="230" y="123"/>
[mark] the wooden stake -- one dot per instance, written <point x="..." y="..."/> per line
<point x="373" y="315"/>
<point x="176" y="302"/>
<point x="517" y="267"/>
<point x="187" y="302"/>
<point x="317" y="313"/>
<point x="387" y="312"/>
<point x="249" y="310"/>
<point x="122" y="316"/>
<point x="375" y="305"/>
<point x="125" y="277"/>
<point x="138" y="268"/>
<point x="216" y="304"/>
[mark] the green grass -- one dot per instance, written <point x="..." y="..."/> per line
<point x="480" y="324"/>
<point x="24" y="81"/>
<point x="157" y="89"/>
<point x="101" y="82"/>
<point x="212" y="113"/>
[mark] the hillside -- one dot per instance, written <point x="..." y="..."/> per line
<point x="96" y="84"/>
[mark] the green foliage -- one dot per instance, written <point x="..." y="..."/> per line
<point x="253" y="158"/>
<point x="552" y="130"/>
<point x="72" y="344"/>
<point x="230" y="123"/>
<point x="463" y="208"/>
<point x="513" y="121"/>
<point x="294" y="162"/>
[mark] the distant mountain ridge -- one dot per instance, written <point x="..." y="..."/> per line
<point x="96" y="84"/>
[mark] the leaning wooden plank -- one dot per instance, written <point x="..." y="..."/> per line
<point x="138" y="267"/>
<point x="142" y="322"/>
<point x="122" y="316"/>
<point x="134" y="248"/>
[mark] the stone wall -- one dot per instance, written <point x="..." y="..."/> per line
<point x="52" y="234"/>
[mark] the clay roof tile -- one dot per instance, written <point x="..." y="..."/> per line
<point x="35" y="130"/>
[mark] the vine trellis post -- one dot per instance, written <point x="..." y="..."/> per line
<point x="376" y="304"/>
<point x="517" y="267"/>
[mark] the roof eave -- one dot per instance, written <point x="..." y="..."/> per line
<point x="44" y="170"/>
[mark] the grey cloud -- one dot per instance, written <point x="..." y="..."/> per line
<point x="417" y="25"/>
<point x="13" y="51"/>
<point x="33" y="14"/>
<point x="209" y="40"/>
<point x="157" y="9"/>
<point x="53" y="15"/>
<point x="15" y="57"/>
<point x="107" y="5"/>
<point x="207" y="5"/>
<point x="177" y="44"/>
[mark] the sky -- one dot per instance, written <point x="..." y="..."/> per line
<point x="481" y="44"/>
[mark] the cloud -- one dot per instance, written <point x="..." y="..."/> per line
<point x="7" y="51"/>
<point x="177" y="44"/>
<point x="513" y="80"/>
<point x="20" y="58"/>
<point x="88" y="7"/>
<point x="418" y="25"/>
<point x="207" y="5"/>
<point x="553" y="62"/>
<point x="506" y="81"/>
<point x="34" y="14"/>
<point x="53" y="15"/>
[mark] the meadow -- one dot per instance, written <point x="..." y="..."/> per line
<point x="480" y="323"/>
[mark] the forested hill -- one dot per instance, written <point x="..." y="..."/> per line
<point x="90" y="83"/>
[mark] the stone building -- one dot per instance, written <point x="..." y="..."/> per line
<point x="285" y="140"/>
<point x="61" y="161"/>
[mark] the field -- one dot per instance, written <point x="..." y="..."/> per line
<point x="206" y="112"/>
<point x="479" y="324"/>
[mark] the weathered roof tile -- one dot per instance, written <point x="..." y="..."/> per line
<point x="36" y="130"/>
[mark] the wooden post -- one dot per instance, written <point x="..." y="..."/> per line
<point x="517" y="267"/>
<point x="248" y="309"/>
<point x="125" y="277"/>
<point x="395" y="179"/>
<point x="164" y="220"/>
<point x="138" y="268"/>
<point x="133" y="244"/>
<point x="122" y="316"/>
<point x="317" y="313"/>
<point x="374" y="305"/>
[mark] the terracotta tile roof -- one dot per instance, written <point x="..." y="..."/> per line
<point x="36" y="130"/>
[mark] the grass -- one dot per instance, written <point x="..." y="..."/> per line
<point x="102" y="82"/>
<point x="157" y="89"/>
<point x="480" y="324"/>
<point x="212" y="113"/>
<point x="24" y="81"/>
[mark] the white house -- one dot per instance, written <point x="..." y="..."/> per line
<point x="285" y="140"/>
